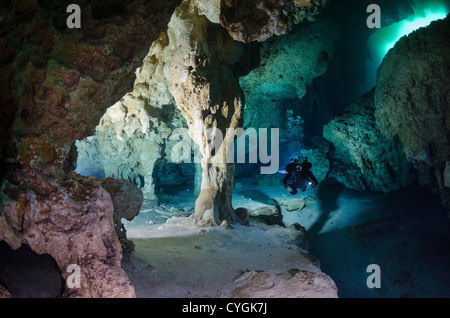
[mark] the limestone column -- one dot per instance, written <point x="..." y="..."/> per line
<point x="204" y="74"/>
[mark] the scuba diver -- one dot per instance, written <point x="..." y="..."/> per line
<point x="299" y="175"/>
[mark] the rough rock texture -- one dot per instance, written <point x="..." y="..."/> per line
<point x="287" y="65"/>
<point x="203" y="74"/>
<point x="55" y="85"/>
<point x="269" y="214"/>
<point x="194" y="64"/>
<point x="351" y="70"/>
<point x="127" y="200"/>
<point x="297" y="203"/>
<point x="412" y="101"/>
<point x="320" y="163"/>
<point x="363" y="158"/>
<point x="136" y="136"/>
<point x="134" y="132"/>
<point x="258" y="20"/>
<point x="74" y="224"/>
<point x="293" y="283"/>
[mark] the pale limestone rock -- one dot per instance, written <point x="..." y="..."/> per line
<point x="296" y="204"/>
<point x="135" y="132"/>
<point x="208" y="8"/>
<point x="127" y="200"/>
<point x="209" y="97"/>
<point x="268" y="214"/>
<point x="293" y="283"/>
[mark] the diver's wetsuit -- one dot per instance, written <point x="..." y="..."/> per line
<point x="290" y="169"/>
<point x="299" y="176"/>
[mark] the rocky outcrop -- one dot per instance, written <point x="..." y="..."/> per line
<point x="137" y="134"/>
<point x="287" y="66"/>
<point x="412" y="101"/>
<point x="363" y="158"/>
<point x="320" y="163"/>
<point x="297" y="204"/>
<point x="73" y="223"/>
<point x="203" y="74"/>
<point x="257" y="20"/>
<point x="135" y="137"/>
<point x="195" y="65"/>
<point x="55" y="85"/>
<point x="293" y="283"/>
<point x="127" y="200"/>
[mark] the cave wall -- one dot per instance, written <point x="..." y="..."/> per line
<point x="362" y="158"/>
<point x="297" y="63"/>
<point x="349" y="72"/>
<point x="56" y="85"/>
<point x="412" y="101"/>
<point x="134" y="138"/>
<point x="398" y="133"/>
<point x="287" y="65"/>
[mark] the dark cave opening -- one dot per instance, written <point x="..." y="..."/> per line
<point x="29" y="275"/>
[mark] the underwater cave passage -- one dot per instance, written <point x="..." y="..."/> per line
<point x="353" y="218"/>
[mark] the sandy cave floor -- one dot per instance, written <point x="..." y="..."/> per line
<point x="405" y="232"/>
<point x="203" y="263"/>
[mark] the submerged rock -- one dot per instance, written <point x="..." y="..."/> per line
<point x="297" y="203"/>
<point x="293" y="283"/>
<point x="73" y="224"/>
<point x="288" y="64"/>
<point x="363" y="158"/>
<point x="320" y="163"/>
<point x="412" y="101"/>
<point x="269" y="214"/>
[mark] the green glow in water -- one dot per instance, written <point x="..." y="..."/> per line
<point x="385" y="38"/>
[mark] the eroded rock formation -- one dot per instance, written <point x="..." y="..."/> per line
<point x="258" y="20"/>
<point x="204" y="75"/>
<point x="55" y="85"/>
<point x="194" y="65"/>
<point x="288" y="64"/>
<point x="364" y="159"/>
<point x="190" y="79"/>
<point x="412" y="101"/>
<point x="127" y="200"/>
<point x="293" y="283"/>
